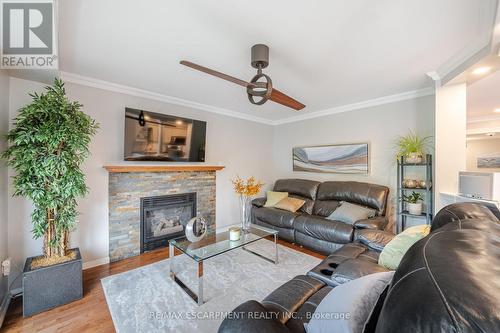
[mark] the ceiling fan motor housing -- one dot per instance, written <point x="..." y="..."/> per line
<point x="260" y="56"/>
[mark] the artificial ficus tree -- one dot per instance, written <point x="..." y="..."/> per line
<point x="49" y="142"/>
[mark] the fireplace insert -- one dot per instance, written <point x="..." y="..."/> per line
<point x="165" y="217"/>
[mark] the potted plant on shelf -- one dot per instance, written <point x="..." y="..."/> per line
<point x="48" y="143"/>
<point x="246" y="189"/>
<point x="414" y="202"/>
<point x="411" y="148"/>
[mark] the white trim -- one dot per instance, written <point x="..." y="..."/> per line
<point x="473" y="52"/>
<point x="122" y="89"/>
<point x="482" y="119"/>
<point x="3" y="308"/>
<point x="482" y="138"/>
<point x="483" y="130"/>
<point x="94" y="263"/>
<point x="359" y="105"/>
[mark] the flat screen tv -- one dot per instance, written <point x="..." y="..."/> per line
<point x="157" y="137"/>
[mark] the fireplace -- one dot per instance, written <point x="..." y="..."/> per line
<point x="165" y="217"/>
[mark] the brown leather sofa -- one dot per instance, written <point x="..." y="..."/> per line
<point x="446" y="282"/>
<point x="309" y="226"/>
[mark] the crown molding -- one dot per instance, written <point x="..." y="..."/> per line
<point x="475" y="51"/>
<point x="359" y="105"/>
<point x="122" y="89"/>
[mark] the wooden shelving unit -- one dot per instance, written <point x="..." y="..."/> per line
<point x="427" y="192"/>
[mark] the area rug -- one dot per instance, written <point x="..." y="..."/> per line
<point x="147" y="300"/>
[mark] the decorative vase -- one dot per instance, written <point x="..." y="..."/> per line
<point x="409" y="183"/>
<point x="245" y="212"/>
<point x="414" y="158"/>
<point x="415" y="208"/>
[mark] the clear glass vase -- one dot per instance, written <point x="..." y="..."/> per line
<point x="245" y="212"/>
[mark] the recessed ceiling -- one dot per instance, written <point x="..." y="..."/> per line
<point x="323" y="53"/>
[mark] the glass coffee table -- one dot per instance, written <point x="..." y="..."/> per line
<point x="212" y="245"/>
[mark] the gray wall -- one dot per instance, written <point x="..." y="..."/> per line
<point x="4" y="126"/>
<point x="379" y="126"/>
<point x="477" y="148"/>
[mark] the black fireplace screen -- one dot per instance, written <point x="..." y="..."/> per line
<point x="165" y="217"/>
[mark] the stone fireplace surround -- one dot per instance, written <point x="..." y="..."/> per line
<point x="129" y="183"/>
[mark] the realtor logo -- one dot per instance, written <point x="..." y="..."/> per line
<point x="28" y="38"/>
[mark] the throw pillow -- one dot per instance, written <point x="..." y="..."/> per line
<point x="290" y="204"/>
<point x="274" y="197"/>
<point x="393" y="252"/>
<point x="351" y="213"/>
<point x="348" y="306"/>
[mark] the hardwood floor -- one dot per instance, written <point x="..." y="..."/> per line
<point x="91" y="313"/>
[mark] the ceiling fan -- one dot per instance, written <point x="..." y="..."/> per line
<point x="258" y="91"/>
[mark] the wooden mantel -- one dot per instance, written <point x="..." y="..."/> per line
<point x="162" y="168"/>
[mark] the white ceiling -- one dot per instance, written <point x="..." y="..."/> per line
<point x="483" y="97"/>
<point x="323" y="53"/>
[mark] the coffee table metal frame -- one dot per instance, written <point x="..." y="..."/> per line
<point x="198" y="297"/>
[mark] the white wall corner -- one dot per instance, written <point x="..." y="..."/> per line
<point x="450" y="139"/>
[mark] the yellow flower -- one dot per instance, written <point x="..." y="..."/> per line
<point x="248" y="187"/>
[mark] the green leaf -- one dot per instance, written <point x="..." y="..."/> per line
<point x="48" y="144"/>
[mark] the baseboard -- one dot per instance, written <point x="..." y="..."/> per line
<point x="3" y="308"/>
<point x="97" y="262"/>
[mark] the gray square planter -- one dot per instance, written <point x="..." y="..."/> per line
<point x="45" y="288"/>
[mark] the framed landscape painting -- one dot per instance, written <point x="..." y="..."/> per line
<point x="489" y="161"/>
<point x="347" y="158"/>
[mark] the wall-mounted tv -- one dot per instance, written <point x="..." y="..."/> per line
<point x="153" y="136"/>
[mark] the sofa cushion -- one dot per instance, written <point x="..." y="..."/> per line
<point x="366" y="194"/>
<point x="290" y="296"/>
<point x="352" y="302"/>
<point x="259" y="202"/>
<point x="374" y="239"/>
<point x="308" y="205"/>
<point x="315" y="244"/>
<point x="321" y="228"/>
<point x="243" y="319"/>
<point x="376" y="223"/>
<point x="300" y="187"/>
<point x="325" y="207"/>
<point x="394" y="251"/>
<point x="283" y="233"/>
<point x="272" y="198"/>
<point x="352" y="269"/>
<point x="352" y="251"/>
<point x="277" y="217"/>
<point x="290" y="204"/>
<point x="350" y="213"/>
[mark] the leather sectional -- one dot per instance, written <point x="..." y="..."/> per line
<point x="309" y="226"/>
<point x="446" y="282"/>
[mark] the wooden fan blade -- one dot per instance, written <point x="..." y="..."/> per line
<point x="214" y="73"/>
<point x="278" y="97"/>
